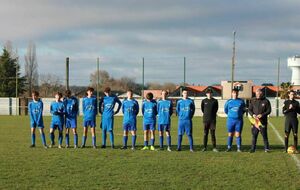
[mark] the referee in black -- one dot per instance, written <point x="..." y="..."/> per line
<point x="260" y="108"/>
<point x="209" y="107"/>
<point x="290" y="110"/>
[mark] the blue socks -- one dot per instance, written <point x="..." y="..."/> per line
<point x="145" y="143"/>
<point x="125" y="139"/>
<point x="191" y="141"/>
<point x="60" y="138"/>
<point x="111" y="137"/>
<point x="83" y="140"/>
<point x="239" y="142"/>
<point x="161" y="141"/>
<point x="67" y="140"/>
<point x="76" y="139"/>
<point x="33" y="139"/>
<point x="179" y="142"/>
<point x="229" y="141"/>
<point x="104" y="137"/>
<point x="52" y="138"/>
<point x="43" y="139"/>
<point x="94" y="140"/>
<point x="133" y="140"/>
<point x="152" y="142"/>
<point x="169" y="140"/>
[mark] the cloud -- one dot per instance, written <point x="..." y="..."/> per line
<point x="122" y="32"/>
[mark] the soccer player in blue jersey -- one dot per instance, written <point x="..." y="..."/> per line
<point x="57" y="109"/>
<point x="71" y="106"/>
<point x="106" y="109"/>
<point x="89" y="108"/>
<point x="165" y="110"/>
<point x="149" y="110"/>
<point x="185" y="109"/>
<point x="130" y="109"/>
<point x="235" y="109"/>
<point x="35" y="108"/>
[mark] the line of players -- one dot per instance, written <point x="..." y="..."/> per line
<point x="65" y="110"/>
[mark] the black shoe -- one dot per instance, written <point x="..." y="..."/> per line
<point x="82" y="146"/>
<point x="178" y="149"/>
<point x="32" y="146"/>
<point x="112" y="146"/>
<point x="161" y="148"/>
<point x="228" y="150"/>
<point x="204" y="149"/>
<point x="252" y="151"/>
<point x="103" y="146"/>
<point x="123" y="148"/>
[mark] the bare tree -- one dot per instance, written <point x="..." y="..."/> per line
<point x="31" y="68"/>
<point x="49" y="84"/>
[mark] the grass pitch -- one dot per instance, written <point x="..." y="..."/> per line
<point x="24" y="168"/>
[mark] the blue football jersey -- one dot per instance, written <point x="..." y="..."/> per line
<point x="107" y="105"/>
<point x="130" y="109"/>
<point x="165" y="110"/>
<point x="57" y="109"/>
<point x="185" y="109"/>
<point x="89" y="108"/>
<point x="235" y="108"/>
<point x="71" y="106"/>
<point x="149" y="110"/>
<point x="35" y="109"/>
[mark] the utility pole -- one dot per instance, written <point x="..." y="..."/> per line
<point x="98" y="78"/>
<point x="67" y="73"/>
<point x="233" y="60"/>
<point x="277" y="93"/>
<point x="17" y="66"/>
<point x="184" y="71"/>
<point x="143" y="77"/>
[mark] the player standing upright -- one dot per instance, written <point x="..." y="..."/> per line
<point x="106" y="109"/>
<point x="290" y="110"/>
<point x="35" y="109"/>
<point x="89" y="108"/>
<point x="235" y="109"/>
<point x="209" y="107"/>
<point x="71" y="105"/>
<point x="185" y="109"/>
<point x="260" y="108"/>
<point x="57" y="109"/>
<point x="130" y="109"/>
<point x="164" y="110"/>
<point x="149" y="110"/>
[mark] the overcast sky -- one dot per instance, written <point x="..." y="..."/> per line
<point x="121" y="32"/>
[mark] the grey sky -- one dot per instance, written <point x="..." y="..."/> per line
<point x="121" y="32"/>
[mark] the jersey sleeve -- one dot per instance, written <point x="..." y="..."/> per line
<point x="137" y="108"/>
<point x="192" y="109"/>
<point x="226" y="107"/>
<point x="101" y="106"/>
<point x="119" y="104"/>
<point x="171" y="108"/>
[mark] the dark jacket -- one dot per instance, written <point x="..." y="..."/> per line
<point x="209" y="108"/>
<point x="260" y="106"/>
<point x="291" y="113"/>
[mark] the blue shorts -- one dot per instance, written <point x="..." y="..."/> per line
<point x="162" y="127"/>
<point x="39" y="125"/>
<point x="185" y="126"/>
<point x="107" y="124"/>
<point x="71" y="123"/>
<point x="56" y="125"/>
<point x="234" y="125"/>
<point x="91" y="123"/>
<point x="149" y="126"/>
<point x="129" y="126"/>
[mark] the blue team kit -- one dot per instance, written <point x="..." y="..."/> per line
<point x="149" y="110"/>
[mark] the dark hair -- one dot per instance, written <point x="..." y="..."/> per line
<point x="209" y="90"/>
<point x="107" y="89"/>
<point x="185" y="89"/>
<point x="35" y="93"/>
<point x="235" y="90"/>
<point x="68" y="92"/>
<point x="59" y="94"/>
<point x="130" y="90"/>
<point x="291" y="91"/>
<point x="167" y="92"/>
<point x="90" y="89"/>
<point x="149" y="96"/>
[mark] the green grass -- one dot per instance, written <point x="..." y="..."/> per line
<point x="25" y="168"/>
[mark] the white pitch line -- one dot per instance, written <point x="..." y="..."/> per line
<point x="295" y="158"/>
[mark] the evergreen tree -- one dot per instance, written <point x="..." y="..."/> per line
<point x="9" y="70"/>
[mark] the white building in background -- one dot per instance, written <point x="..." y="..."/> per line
<point x="294" y="64"/>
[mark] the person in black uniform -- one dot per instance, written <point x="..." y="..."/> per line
<point x="209" y="107"/>
<point x="290" y="109"/>
<point x="260" y="108"/>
